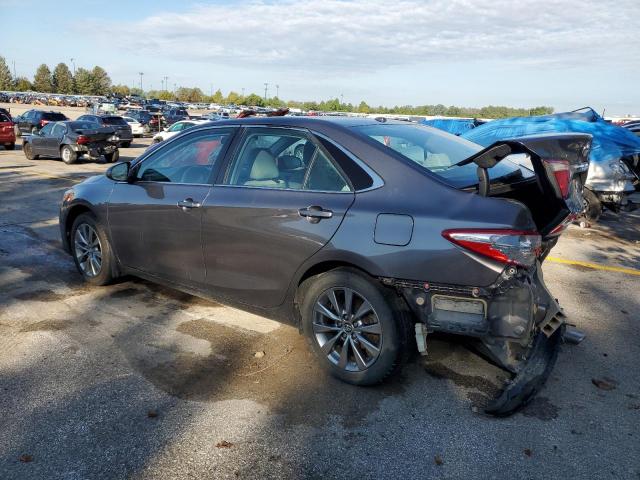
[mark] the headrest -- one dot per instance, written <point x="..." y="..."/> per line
<point x="264" y="167"/>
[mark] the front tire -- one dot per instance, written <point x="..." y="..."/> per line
<point x="91" y="250"/>
<point x="68" y="155"/>
<point x="354" y="326"/>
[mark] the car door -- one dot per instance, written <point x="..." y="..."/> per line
<point x="268" y="213"/>
<point x="54" y="139"/>
<point x="155" y="219"/>
<point x="25" y="121"/>
<point x="40" y="141"/>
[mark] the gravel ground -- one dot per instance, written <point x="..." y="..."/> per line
<point x="138" y="381"/>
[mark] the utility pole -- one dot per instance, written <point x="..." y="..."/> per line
<point x="14" y="71"/>
<point x="342" y="99"/>
<point x="74" y="66"/>
<point x="141" y="74"/>
<point x="266" y="87"/>
<point x="242" y="92"/>
<point x="278" y="91"/>
<point x="166" y="85"/>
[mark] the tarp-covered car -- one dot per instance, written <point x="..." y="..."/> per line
<point x="614" y="167"/>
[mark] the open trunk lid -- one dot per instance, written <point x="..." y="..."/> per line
<point x="560" y="163"/>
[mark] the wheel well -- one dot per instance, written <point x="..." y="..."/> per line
<point x="326" y="266"/>
<point x="71" y="217"/>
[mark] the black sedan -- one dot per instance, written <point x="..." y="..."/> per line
<point x="366" y="234"/>
<point x="119" y="124"/>
<point x="70" y="140"/>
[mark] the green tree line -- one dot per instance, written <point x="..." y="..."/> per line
<point x="97" y="82"/>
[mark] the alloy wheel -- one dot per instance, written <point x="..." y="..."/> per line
<point x="347" y="329"/>
<point x="66" y="154"/>
<point x="88" y="249"/>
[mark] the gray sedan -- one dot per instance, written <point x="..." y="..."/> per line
<point x="366" y="234"/>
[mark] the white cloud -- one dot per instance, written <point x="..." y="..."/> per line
<point x="364" y="36"/>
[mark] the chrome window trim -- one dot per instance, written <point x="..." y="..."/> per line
<point x="350" y="192"/>
<point x="377" y="180"/>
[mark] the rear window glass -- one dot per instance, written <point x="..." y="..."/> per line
<point x="4" y="118"/>
<point x="54" y="117"/>
<point x="82" y="125"/>
<point x="438" y="152"/>
<point x="114" y="120"/>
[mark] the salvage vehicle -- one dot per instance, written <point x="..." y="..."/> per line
<point x="614" y="170"/>
<point x="174" y="115"/>
<point x="7" y="135"/>
<point x="379" y="233"/>
<point x="71" y="140"/>
<point x="137" y="128"/>
<point x="122" y="129"/>
<point x="175" y="129"/>
<point x="32" y="121"/>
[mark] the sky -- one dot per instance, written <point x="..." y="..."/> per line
<point x="522" y="53"/>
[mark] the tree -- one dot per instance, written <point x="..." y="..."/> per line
<point x="233" y="98"/>
<point x="22" y="84"/>
<point x="84" y="82"/>
<point x="363" y="107"/>
<point x="62" y="79"/>
<point x="6" y="82"/>
<point x="253" y="100"/>
<point x="101" y="81"/>
<point x="42" y="80"/>
<point x="121" y="90"/>
<point x="217" y="97"/>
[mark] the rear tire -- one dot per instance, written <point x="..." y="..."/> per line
<point x="68" y="155"/>
<point x="94" y="259"/>
<point x="377" y="340"/>
<point x="28" y="152"/>
<point x="592" y="206"/>
<point x="126" y="144"/>
<point x="113" y="156"/>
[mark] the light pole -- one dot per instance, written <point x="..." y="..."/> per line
<point x="166" y="85"/>
<point x="14" y="71"/>
<point x="242" y="92"/>
<point x="266" y="87"/>
<point x="141" y="74"/>
<point x="342" y="99"/>
<point x="74" y="66"/>
<point x="277" y="91"/>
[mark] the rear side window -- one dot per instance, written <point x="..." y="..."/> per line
<point x="53" y="117"/>
<point x="113" y="121"/>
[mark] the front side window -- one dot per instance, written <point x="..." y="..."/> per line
<point x="189" y="160"/>
<point x="284" y="159"/>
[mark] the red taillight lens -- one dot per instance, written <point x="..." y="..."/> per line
<point x="43" y="122"/>
<point x="561" y="173"/>
<point x="82" y="139"/>
<point x="514" y="247"/>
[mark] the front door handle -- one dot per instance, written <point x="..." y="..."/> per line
<point x="315" y="213"/>
<point x="188" y="203"/>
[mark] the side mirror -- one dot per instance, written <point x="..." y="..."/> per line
<point x="119" y="172"/>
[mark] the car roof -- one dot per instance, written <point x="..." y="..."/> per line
<point x="307" y="122"/>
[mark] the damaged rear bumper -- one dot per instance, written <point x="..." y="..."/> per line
<point x="516" y="323"/>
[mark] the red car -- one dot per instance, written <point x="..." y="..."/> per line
<point x="7" y="134"/>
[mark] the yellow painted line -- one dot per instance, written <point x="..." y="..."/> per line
<point x="595" y="266"/>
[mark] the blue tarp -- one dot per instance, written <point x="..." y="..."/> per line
<point x="610" y="142"/>
<point x="456" y="126"/>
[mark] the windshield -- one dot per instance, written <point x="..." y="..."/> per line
<point x="439" y="152"/>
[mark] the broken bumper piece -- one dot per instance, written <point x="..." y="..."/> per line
<point x="531" y="377"/>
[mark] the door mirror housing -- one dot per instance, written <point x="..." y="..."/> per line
<point x="119" y="172"/>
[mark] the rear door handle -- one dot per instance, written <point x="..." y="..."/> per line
<point x="188" y="203"/>
<point x="315" y="213"/>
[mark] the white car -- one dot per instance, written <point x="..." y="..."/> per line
<point x="175" y="129"/>
<point x="136" y="127"/>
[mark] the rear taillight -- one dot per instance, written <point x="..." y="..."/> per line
<point x="43" y="122"/>
<point x="561" y="173"/>
<point x="82" y="139"/>
<point x="513" y="247"/>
